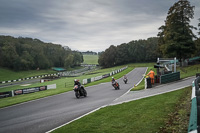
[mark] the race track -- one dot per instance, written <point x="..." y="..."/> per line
<point x="44" y="114"/>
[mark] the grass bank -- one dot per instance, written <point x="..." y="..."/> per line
<point x="63" y="85"/>
<point x="90" y="59"/>
<point x="189" y="70"/>
<point x="140" y="116"/>
<point x="7" y="74"/>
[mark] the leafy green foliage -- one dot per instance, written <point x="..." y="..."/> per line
<point x="28" y="54"/>
<point x="176" y="36"/>
<point x="134" y="51"/>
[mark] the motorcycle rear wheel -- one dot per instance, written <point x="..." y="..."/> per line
<point x="85" y="93"/>
<point x="77" y="94"/>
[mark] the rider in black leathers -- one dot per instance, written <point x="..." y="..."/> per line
<point x="76" y="82"/>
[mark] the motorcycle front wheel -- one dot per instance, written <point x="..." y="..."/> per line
<point x="118" y="87"/>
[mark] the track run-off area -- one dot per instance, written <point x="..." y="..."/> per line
<point x="47" y="114"/>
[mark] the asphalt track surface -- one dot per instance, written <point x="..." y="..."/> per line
<point x="44" y="114"/>
<point x="156" y="90"/>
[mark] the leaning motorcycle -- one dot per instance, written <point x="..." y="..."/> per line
<point x="80" y="91"/>
<point x="115" y="85"/>
<point x="125" y="80"/>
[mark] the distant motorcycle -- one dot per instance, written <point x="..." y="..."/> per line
<point x="125" y="80"/>
<point x="80" y="91"/>
<point x="115" y="85"/>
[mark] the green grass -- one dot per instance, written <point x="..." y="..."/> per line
<point x="90" y="59"/>
<point x="7" y="74"/>
<point x="63" y="85"/>
<point x="141" y="116"/>
<point x="69" y="83"/>
<point x="189" y="71"/>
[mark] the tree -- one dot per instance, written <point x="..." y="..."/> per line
<point x="197" y="42"/>
<point x="134" y="51"/>
<point x="78" y="58"/>
<point x="27" y="53"/>
<point x="199" y="26"/>
<point x="108" y="58"/>
<point x="9" y="55"/>
<point x="68" y="61"/>
<point x="176" y="37"/>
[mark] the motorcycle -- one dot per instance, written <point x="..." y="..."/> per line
<point x="115" y="85"/>
<point x="80" y="91"/>
<point x="125" y="80"/>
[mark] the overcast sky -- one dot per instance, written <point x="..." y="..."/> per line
<point x="86" y="24"/>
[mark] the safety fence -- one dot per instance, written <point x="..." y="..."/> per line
<point x="62" y="74"/>
<point x="89" y="80"/>
<point x="76" y="72"/>
<point x="194" y="123"/>
<point x="26" y="91"/>
<point x="170" y="77"/>
<point x="34" y="77"/>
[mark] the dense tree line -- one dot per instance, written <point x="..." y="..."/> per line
<point x="175" y="39"/>
<point x="134" y="51"/>
<point x="27" y="53"/>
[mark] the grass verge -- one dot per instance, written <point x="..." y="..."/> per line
<point x="63" y="85"/>
<point x="189" y="70"/>
<point x="90" y="59"/>
<point x="7" y="74"/>
<point x="178" y="120"/>
<point x="140" y="116"/>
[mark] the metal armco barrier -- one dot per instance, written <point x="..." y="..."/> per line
<point x="41" y="76"/>
<point x="85" y="81"/>
<point x="194" y="123"/>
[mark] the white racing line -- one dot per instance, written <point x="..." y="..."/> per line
<point x="149" y="95"/>
<point x="95" y="109"/>
<point x="131" y="87"/>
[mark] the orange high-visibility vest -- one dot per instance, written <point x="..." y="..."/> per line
<point x="151" y="74"/>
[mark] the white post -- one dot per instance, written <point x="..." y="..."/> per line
<point x="145" y="83"/>
<point x="175" y="64"/>
<point x="158" y="61"/>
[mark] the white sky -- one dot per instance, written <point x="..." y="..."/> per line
<point x="85" y="25"/>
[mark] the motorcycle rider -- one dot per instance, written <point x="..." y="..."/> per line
<point x="125" y="78"/>
<point x="113" y="81"/>
<point x="76" y="82"/>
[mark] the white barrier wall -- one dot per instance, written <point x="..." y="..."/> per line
<point x="53" y="86"/>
